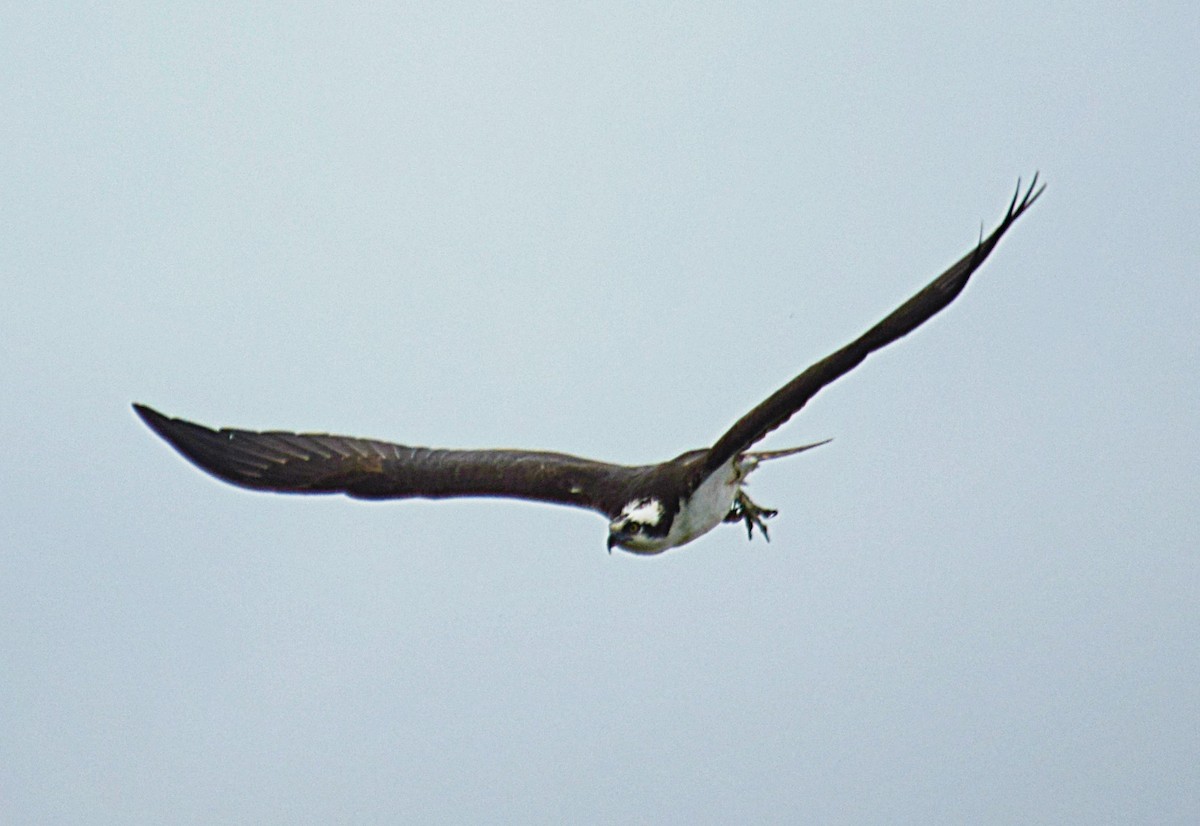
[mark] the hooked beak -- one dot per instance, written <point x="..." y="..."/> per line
<point x="617" y="538"/>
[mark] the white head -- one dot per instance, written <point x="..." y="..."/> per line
<point x="641" y="527"/>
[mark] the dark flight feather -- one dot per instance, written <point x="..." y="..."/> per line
<point x="785" y="402"/>
<point x="370" y="469"/>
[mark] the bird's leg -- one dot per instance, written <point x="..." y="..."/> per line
<point x="744" y="510"/>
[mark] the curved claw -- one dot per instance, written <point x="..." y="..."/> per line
<point x="744" y="510"/>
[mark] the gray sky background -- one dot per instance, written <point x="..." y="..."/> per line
<point x="607" y="232"/>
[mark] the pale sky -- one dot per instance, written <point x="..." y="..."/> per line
<point x="607" y="232"/>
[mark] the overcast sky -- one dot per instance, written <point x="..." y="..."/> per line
<point x="607" y="232"/>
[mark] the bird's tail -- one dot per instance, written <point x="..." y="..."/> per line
<point x="767" y="455"/>
<point x="751" y="459"/>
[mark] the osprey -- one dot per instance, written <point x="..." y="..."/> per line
<point x="650" y="508"/>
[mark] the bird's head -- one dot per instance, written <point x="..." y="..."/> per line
<point x="642" y="527"/>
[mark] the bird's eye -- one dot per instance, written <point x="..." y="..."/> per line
<point x="633" y="527"/>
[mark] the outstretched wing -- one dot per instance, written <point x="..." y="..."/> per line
<point x="370" y="469"/>
<point x="782" y="404"/>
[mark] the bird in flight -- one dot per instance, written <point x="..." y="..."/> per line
<point x="650" y="508"/>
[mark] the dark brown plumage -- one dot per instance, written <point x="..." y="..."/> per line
<point x="370" y="469"/>
<point x="787" y="400"/>
<point x="642" y="502"/>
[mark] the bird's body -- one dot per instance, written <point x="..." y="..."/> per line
<point x="651" y="508"/>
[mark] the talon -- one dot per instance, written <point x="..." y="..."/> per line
<point x="744" y="510"/>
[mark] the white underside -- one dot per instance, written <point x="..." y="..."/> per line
<point x="706" y="509"/>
